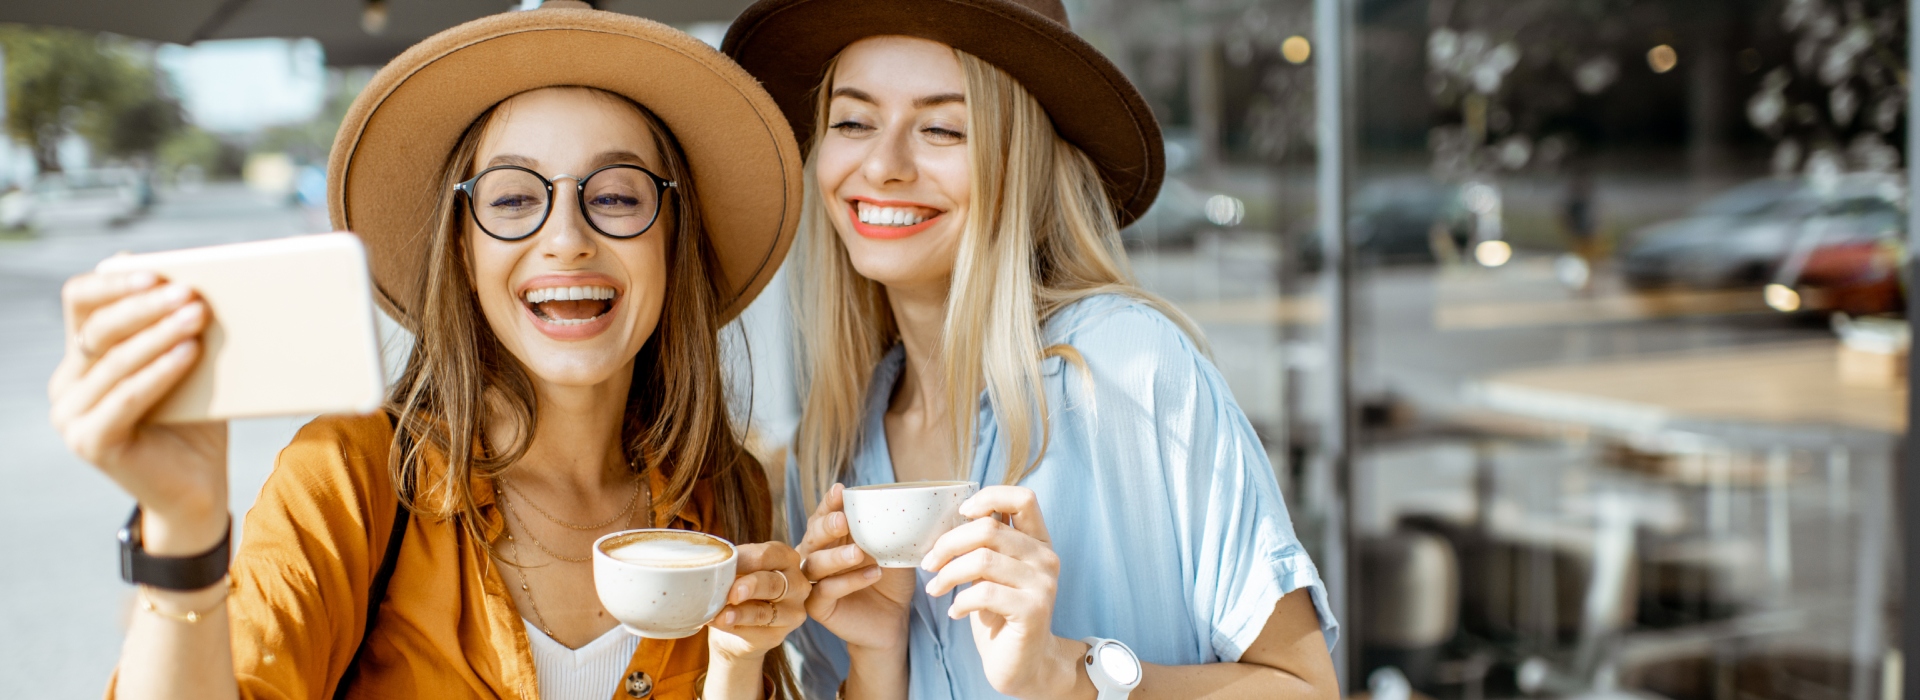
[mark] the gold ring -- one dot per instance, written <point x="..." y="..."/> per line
<point x="785" y="585"/>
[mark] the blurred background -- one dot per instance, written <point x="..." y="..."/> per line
<point x="1575" y="329"/>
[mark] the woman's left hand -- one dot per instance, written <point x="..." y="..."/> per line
<point x="768" y="601"/>
<point x="1015" y="576"/>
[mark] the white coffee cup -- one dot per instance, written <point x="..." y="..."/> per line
<point x="663" y="584"/>
<point x="897" y="524"/>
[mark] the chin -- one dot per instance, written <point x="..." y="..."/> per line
<point x="575" y="372"/>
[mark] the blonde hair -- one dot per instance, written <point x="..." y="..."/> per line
<point x="1040" y="235"/>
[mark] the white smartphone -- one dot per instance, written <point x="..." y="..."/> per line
<point x="292" y="330"/>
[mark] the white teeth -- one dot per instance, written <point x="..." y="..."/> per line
<point x="888" y="216"/>
<point x="545" y="294"/>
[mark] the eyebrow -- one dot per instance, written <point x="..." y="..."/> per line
<point x="921" y="102"/>
<point x="604" y="158"/>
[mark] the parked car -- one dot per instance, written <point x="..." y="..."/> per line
<point x="1848" y="261"/>
<point x="1401" y="220"/>
<point x="1176" y="216"/>
<point x="1741" y="238"/>
<point x="86" y="199"/>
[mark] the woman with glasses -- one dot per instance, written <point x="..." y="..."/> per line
<point x="538" y="222"/>
<point x="967" y="313"/>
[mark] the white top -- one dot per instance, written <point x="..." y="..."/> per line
<point x="591" y="672"/>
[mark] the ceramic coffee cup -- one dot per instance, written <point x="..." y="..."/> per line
<point x="663" y="584"/>
<point x="897" y="524"/>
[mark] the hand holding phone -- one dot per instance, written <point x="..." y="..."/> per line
<point x="292" y="329"/>
<point x="162" y="348"/>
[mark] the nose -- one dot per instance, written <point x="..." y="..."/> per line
<point x="565" y="235"/>
<point x="891" y="159"/>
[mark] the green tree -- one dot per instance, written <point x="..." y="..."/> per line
<point x="61" y="81"/>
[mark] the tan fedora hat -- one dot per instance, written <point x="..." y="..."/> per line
<point x="382" y="178"/>
<point x="787" y="44"/>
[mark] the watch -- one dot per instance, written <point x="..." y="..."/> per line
<point x="172" y="573"/>
<point x="1112" y="667"/>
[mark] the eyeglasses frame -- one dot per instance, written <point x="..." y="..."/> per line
<point x="661" y="186"/>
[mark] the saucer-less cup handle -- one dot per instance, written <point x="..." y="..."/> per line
<point x="662" y="602"/>
<point x="897" y="524"/>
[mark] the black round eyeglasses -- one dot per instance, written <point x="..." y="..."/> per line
<point x="510" y="202"/>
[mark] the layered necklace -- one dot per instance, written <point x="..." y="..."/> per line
<point x="624" y="518"/>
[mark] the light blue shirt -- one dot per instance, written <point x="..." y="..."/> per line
<point x="1160" y="501"/>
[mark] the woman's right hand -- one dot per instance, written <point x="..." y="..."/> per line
<point x="863" y="604"/>
<point x="131" y="338"/>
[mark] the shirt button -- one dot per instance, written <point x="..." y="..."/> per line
<point x="639" y="684"/>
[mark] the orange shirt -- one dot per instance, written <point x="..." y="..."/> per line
<point x="448" y="628"/>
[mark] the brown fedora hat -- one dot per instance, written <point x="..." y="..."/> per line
<point x="787" y="43"/>
<point x="383" y="176"/>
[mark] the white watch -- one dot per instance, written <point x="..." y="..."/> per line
<point x="1112" y="667"/>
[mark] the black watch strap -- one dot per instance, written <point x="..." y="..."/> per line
<point x="172" y="573"/>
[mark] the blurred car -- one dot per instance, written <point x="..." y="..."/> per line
<point x="1176" y="216"/>
<point x="1741" y="238"/>
<point x="1402" y="220"/>
<point x="1852" y="268"/>
<point x="16" y="209"/>
<point x="87" y="198"/>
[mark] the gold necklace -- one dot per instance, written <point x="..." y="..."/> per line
<point x="536" y="539"/>
<point x="622" y="515"/>
<point x="533" y="604"/>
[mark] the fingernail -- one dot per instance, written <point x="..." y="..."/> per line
<point x="175" y="293"/>
<point x="141" y="280"/>
<point x="871" y="573"/>
<point x="731" y="616"/>
<point x="183" y="348"/>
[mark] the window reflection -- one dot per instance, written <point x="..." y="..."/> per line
<point x="1629" y="343"/>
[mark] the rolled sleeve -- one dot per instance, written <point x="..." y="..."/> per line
<point x="1237" y="539"/>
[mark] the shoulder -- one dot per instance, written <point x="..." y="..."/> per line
<point x="345" y="454"/>
<point x="1123" y="330"/>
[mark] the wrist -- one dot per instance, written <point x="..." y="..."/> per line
<point x="182" y="533"/>
<point x="718" y="660"/>
<point x="730" y="676"/>
<point x="1066" y="676"/>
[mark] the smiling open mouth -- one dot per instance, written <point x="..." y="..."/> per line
<point x="892" y="216"/>
<point x="570" y="306"/>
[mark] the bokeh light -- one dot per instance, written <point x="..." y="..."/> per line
<point x="1492" y="253"/>
<point x="1662" y="58"/>
<point x="1782" y="298"/>
<point x="1296" y="49"/>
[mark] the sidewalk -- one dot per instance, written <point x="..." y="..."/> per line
<point x="62" y="620"/>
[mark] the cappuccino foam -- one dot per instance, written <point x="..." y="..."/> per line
<point x="668" y="550"/>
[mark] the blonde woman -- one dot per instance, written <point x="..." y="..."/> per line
<point x="967" y="313"/>
<point x="565" y="240"/>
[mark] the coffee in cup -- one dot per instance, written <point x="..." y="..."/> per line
<point x="663" y="584"/>
<point x="897" y="524"/>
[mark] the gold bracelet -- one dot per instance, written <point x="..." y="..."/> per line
<point x="190" y="616"/>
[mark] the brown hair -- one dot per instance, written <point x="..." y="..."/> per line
<point x="676" y="415"/>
